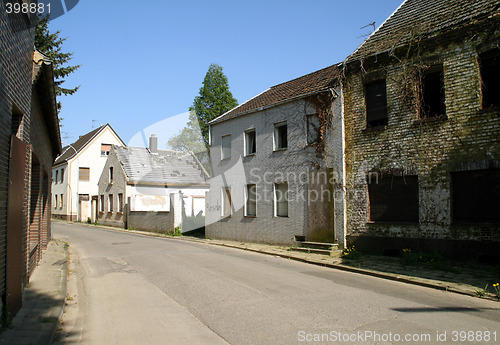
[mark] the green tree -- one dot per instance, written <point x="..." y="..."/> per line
<point x="214" y="99"/>
<point x="50" y="44"/>
<point x="189" y="138"/>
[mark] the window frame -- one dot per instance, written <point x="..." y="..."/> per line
<point x="277" y="138"/>
<point x="249" y="132"/>
<point x="371" y="108"/>
<point x="247" y="194"/>
<point x="226" y="191"/>
<point x="110" y="203"/>
<point x="438" y="68"/>
<point x="80" y="169"/>
<point x="225" y="151"/>
<point x="101" y="204"/>
<point x="277" y="213"/>
<point x="317" y="129"/>
<point x="486" y="95"/>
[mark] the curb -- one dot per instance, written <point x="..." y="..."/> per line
<point x="442" y="285"/>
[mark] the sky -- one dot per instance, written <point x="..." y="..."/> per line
<point x="143" y="62"/>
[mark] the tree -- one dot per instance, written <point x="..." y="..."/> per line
<point x="189" y="138"/>
<point x="214" y="99"/>
<point x="50" y="44"/>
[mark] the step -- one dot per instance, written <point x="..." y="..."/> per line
<point x="319" y="245"/>
<point x="313" y="251"/>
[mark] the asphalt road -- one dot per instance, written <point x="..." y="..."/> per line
<point x="133" y="289"/>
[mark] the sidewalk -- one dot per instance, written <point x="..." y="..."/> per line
<point x="43" y="300"/>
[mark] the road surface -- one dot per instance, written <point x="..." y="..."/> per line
<point x="133" y="289"/>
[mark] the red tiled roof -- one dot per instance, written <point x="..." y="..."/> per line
<point x="424" y="18"/>
<point x="311" y="83"/>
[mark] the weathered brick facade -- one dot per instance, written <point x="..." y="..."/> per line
<point x="28" y="125"/>
<point x="465" y="138"/>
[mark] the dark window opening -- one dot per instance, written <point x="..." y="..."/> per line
<point x="490" y="76"/>
<point x="393" y="198"/>
<point x="280" y="136"/>
<point x="251" y="146"/>
<point x="476" y="196"/>
<point x="433" y="93"/>
<point x="376" y="104"/>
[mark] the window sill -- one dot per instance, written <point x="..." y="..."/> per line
<point x="279" y="150"/>
<point x="281" y="217"/>
<point x="249" y="155"/>
<point x="249" y="216"/>
<point x="225" y="159"/>
<point x="374" y="129"/>
<point x="431" y="119"/>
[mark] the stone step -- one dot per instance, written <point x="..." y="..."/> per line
<point x="319" y="245"/>
<point x="316" y="251"/>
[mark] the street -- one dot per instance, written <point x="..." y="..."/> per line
<point x="133" y="289"/>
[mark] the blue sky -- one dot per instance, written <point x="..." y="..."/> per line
<point x="144" y="62"/>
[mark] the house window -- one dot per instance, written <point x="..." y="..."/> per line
<point x="120" y="202"/>
<point x="251" y="200"/>
<point x="250" y="142"/>
<point x="313" y="129"/>
<point x="226" y="147"/>
<point x="226" y="202"/>
<point x="281" y="199"/>
<point x="57" y="176"/>
<point x="105" y="148"/>
<point x="62" y="175"/>
<point x="101" y="203"/>
<point x="111" y="175"/>
<point x="393" y="198"/>
<point x="475" y="196"/>
<point x="55" y="201"/>
<point x="432" y="93"/>
<point x="110" y="202"/>
<point x="489" y="63"/>
<point x="376" y="104"/>
<point x="84" y="174"/>
<point x="280" y="136"/>
<point x="61" y="201"/>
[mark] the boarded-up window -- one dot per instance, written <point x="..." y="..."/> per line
<point x="105" y="148"/>
<point x="281" y="199"/>
<point x="490" y="77"/>
<point x="433" y="93"/>
<point x="250" y="144"/>
<point x="313" y="129"/>
<point x="120" y="202"/>
<point x="376" y="104"/>
<point x="226" y="202"/>
<point x="393" y="198"/>
<point x="476" y="196"/>
<point x="84" y="174"/>
<point x="251" y="200"/>
<point x="280" y="136"/>
<point x="110" y="203"/>
<point x="226" y="147"/>
<point x="101" y="203"/>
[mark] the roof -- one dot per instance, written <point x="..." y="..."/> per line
<point x="70" y="150"/>
<point x="166" y="167"/>
<point x="424" y="18"/>
<point x="42" y="78"/>
<point x="300" y="87"/>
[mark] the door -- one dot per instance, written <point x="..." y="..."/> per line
<point x="320" y="206"/>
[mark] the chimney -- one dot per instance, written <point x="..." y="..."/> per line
<point x="153" y="143"/>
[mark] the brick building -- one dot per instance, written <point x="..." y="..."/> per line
<point x="148" y="189"/>
<point x="29" y="143"/>
<point x="277" y="162"/>
<point x="422" y="129"/>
